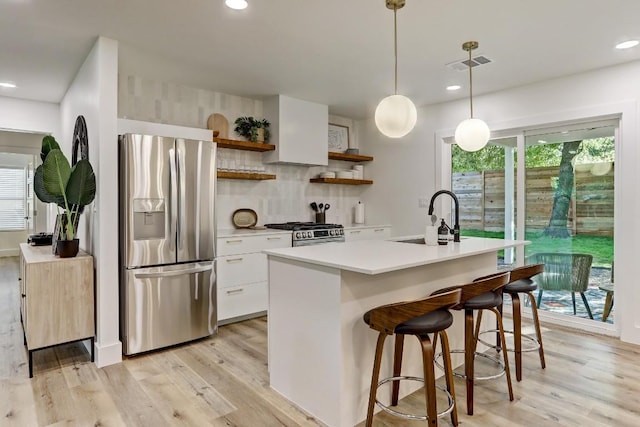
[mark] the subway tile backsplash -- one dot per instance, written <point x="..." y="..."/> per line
<point x="286" y="198"/>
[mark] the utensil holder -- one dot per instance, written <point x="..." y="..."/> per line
<point x="320" y="218"/>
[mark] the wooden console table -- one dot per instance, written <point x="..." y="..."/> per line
<point x="57" y="299"/>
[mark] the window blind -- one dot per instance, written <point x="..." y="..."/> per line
<point x="12" y="199"/>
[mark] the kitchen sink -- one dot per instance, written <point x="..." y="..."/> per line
<point x="419" y="241"/>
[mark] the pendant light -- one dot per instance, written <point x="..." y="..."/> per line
<point x="471" y="134"/>
<point x="395" y="115"/>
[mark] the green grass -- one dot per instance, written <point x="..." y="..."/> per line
<point x="599" y="246"/>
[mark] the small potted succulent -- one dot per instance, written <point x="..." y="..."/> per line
<point x="252" y="129"/>
<point x="70" y="188"/>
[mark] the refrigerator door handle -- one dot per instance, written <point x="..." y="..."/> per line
<point x="201" y="269"/>
<point x="174" y="194"/>
<point x="181" y="194"/>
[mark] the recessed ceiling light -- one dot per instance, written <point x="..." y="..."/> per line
<point x="236" y="4"/>
<point x="628" y="44"/>
<point x="8" y="85"/>
<point x="453" y="87"/>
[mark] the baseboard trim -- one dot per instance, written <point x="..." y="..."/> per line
<point x="9" y="252"/>
<point x="106" y="355"/>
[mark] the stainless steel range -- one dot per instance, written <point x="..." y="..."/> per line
<point x="310" y="233"/>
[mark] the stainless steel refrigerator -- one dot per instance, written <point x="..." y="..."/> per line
<point x="167" y="241"/>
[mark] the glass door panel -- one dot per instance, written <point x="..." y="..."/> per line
<point x="484" y="182"/>
<point x="569" y="218"/>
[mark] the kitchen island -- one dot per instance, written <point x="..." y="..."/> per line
<point x="320" y="350"/>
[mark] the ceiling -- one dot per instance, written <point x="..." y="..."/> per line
<point x="335" y="52"/>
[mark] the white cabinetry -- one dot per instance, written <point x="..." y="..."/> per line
<point x="242" y="274"/>
<point x="299" y="130"/>
<point x="381" y="232"/>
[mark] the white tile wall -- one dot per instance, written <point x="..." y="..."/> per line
<point x="285" y="199"/>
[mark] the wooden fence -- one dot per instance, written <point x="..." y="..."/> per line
<point x="482" y="197"/>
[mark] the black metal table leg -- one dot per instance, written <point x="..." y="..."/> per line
<point x="31" y="363"/>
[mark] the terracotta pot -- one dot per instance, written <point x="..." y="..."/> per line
<point x="67" y="248"/>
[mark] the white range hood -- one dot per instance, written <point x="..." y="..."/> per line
<point x="299" y="130"/>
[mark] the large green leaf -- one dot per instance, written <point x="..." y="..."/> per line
<point x="48" y="143"/>
<point x="42" y="194"/>
<point x="81" y="188"/>
<point x="55" y="173"/>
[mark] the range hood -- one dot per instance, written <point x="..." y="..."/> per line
<point x="299" y="130"/>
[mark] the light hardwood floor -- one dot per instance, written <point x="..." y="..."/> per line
<point x="223" y="381"/>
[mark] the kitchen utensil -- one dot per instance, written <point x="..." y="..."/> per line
<point x="244" y="218"/>
<point x="314" y="206"/>
<point x="434" y="219"/>
<point x="326" y="207"/>
<point x="321" y="207"/>
<point x="218" y="123"/>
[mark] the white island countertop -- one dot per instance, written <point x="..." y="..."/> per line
<point x="382" y="256"/>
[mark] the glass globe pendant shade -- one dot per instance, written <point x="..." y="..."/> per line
<point x="472" y="134"/>
<point x="396" y="116"/>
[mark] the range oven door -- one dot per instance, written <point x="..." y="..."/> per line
<point x="163" y="306"/>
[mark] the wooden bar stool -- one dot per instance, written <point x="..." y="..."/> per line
<point x="484" y="293"/>
<point x="420" y="318"/>
<point x="522" y="282"/>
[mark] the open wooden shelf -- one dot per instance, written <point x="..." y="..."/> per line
<point x="349" y="157"/>
<point x="243" y="145"/>
<point x="346" y="181"/>
<point x="245" y="175"/>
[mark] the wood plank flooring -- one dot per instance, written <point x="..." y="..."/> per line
<point x="590" y="380"/>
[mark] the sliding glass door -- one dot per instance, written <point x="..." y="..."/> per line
<point x="560" y="196"/>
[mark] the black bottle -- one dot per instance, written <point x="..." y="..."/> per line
<point x="443" y="233"/>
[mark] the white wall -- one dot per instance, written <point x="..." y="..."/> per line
<point x="285" y="199"/>
<point x="29" y="116"/>
<point x="93" y="94"/>
<point x="410" y="168"/>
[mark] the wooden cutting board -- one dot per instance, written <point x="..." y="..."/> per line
<point x="218" y="123"/>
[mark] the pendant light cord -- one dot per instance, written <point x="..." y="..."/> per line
<point x="470" y="85"/>
<point x="395" y="47"/>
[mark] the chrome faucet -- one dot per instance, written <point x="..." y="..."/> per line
<point x="456" y="225"/>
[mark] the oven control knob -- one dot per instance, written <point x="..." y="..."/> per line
<point x="330" y="232"/>
<point x="297" y="235"/>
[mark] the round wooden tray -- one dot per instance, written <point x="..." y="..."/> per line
<point x="244" y="218"/>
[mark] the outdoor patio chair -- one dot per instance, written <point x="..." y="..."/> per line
<point x="564" y="272"/>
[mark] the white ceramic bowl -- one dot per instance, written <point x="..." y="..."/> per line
<point x="344" y="174"/>
<point x="328" y="175"/>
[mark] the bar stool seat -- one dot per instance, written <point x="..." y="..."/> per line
<point x="426" y="324"/>
<point x="419" y="318"/>
<point x="484" y="301"/>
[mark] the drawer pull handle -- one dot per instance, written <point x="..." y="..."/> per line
<point x="355" y="232"/>
<point x="235" y="291"/>
<point x="234" y="241"/>
<point x="274" y="238"/>
<point x="377" y="230"/>
<point x="24" y="295"/>
<point x="235" y="260"/>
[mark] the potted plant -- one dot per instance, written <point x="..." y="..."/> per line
<point x="252" y="129"/>
<point x="70" y="188"/>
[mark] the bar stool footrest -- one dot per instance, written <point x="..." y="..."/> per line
<point x="534" y="347"/>
<point x="500" y="363"/>
<point x="413" y="416"/>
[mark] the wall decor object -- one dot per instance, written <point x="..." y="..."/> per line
<point x="338" y="138"/>
<point x="80" y="140"/>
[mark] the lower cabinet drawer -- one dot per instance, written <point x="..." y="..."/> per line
<point x="236" y="270"/>
<point x="242" y="300"/>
